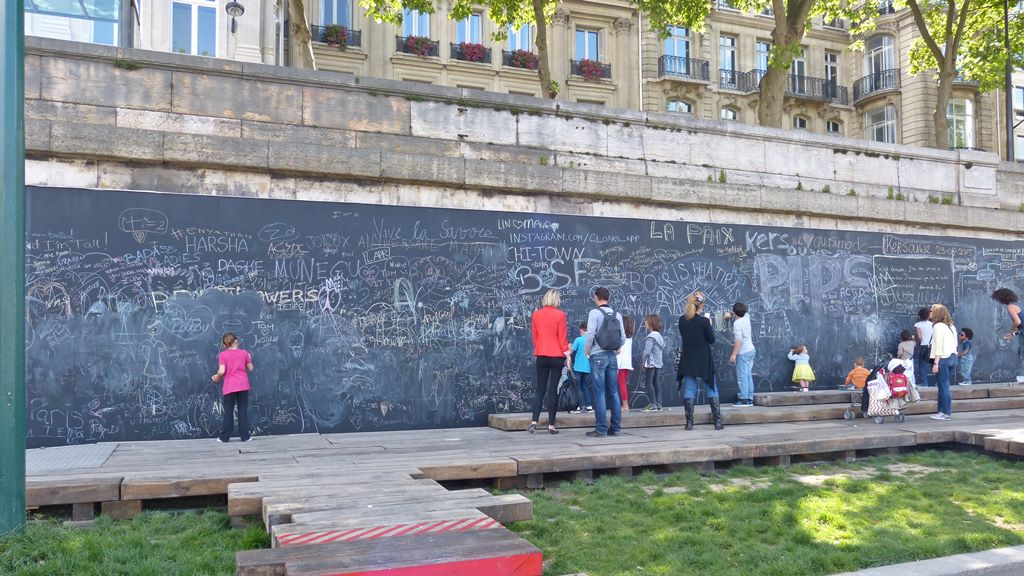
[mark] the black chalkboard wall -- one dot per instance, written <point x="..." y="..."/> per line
<point x="364" y="317"/>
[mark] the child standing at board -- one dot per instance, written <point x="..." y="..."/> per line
<point x="235" y="365"/>
<point x="802" y="372"/>
<point x="966" y="353"/>
<point x="858" y="376"/>
<point x="654" y="349"/>
<point x="581" y="367"/>
<point x="625" y="362"/>
<point x="905" y="351"/>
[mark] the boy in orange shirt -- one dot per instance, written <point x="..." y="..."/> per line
<point x="859" y="375"/>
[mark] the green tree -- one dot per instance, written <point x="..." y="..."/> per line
<point x="964" y="39"/>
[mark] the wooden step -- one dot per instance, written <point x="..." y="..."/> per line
<point x="496" y="551"/>
<point x="346" y="521"/>
<point x="505" y="508"/>
<point x="965" y="399"/>
<point x="797" y="398"/>
<point x="72" y="491"/>
<point x="297" y="535"/>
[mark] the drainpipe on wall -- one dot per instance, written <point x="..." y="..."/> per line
<point x="640" y="52"/>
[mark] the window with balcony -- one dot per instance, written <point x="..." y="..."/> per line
<point x="834" y="127"/>
<point x="194" y="28"/>
<point x="468" y="30"/>
<point x="521" y="38"/>
<point x="415" y="23"/>
<point x="798" y="74"/>
<point x="960" y="114"/>
<point x="881" y="124"/>
<point x="729" y="114"/>
<point x="727" y="62"/>
<point x="878" y="55"/>
<point x="1018" y="97"/>
<point x="588" y="43"/>
<point x="763" y="52"/>
<point x="336" y="12"/>
<point x="678" y="42"/>
<point x="679" y="107"/>
<point x="800" y="123"/>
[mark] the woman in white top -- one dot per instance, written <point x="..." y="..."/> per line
<point x="943" y="355"/>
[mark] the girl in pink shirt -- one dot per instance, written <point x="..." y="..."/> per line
<point x="235" y="365"/>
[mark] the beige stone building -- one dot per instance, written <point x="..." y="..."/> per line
<point x="602" y="52"/>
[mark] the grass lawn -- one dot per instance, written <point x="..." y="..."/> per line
<point x="152" y="544"/>
<point x="804" y="520"/>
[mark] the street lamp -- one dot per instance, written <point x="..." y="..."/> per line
<point x="234" y="9"/>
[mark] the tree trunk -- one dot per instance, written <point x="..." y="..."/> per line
<point x="543" y="61"/>
<point x="300" y="41"/>
<point x="773" y="92"/>
<point x="773" y="84"/>
<point x="943" y="94"/>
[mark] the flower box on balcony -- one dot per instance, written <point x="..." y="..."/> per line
<point x="336" y="35"/>
<point x="418" y="45"/>
<point x="472" y="52"/>
<point x="591" y="70"/>
<point x="522" y="59"/>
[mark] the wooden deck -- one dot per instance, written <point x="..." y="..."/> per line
<point x="374" y="503"/>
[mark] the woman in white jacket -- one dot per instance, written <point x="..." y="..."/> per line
<point x="943" y="355"/>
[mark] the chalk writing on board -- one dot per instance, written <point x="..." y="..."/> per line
<point x="365" y="317"/>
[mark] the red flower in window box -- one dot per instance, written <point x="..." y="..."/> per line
<point x="418" y="45"/>
<point x="336" y="35"/>
<point x="472" y="52"/>
<point x="591" y="69"/>
<point x="523" y="59"/>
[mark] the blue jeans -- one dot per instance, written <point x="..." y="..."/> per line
<point x="604" y="370"/>
<point x="690" y="388"/>
<point x="946" y="367"/>
<point x="583" y="378"/>
<point x="923" y="366"/>
<point x="745" y="374"/>
<point x="966" y="365"/>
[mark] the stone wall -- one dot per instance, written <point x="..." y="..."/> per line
<point x="99" y="117"/>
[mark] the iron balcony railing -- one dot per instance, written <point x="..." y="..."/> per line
<point x="876" y="82"/>
<point x="577" y="69"/>
<point x="507" y="59"/>
<point x="731" y="80"/>
<point x="319" y="33"/>
<point x="406" y="45"/>
<point x="797" y="86"/>
<point x="680" y="67"/>
<point x="459" y="52"/>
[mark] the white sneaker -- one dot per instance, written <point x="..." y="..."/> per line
<point x="939" y="416"/>
<point x="964" y="384"/>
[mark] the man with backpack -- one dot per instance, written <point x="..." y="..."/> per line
<point x="605" y="335"/>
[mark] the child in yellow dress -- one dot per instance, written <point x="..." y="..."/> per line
<point x="802" y="372"/>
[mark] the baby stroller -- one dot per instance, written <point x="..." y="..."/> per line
<point x="860" y="399"/>
<point x="890" y="388"/>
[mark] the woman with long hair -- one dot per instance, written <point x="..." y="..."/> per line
<point x="550" y="346"/>
<point x="1009" y="298"/>
<point x="943" y="355"/>
<point x="695" y="362"/>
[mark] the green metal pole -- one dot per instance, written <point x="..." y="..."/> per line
<point x="12" y="269"/>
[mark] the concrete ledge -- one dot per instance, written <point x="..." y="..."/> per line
<point x="998" y="562"/>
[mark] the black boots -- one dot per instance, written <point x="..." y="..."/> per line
<point x="688" y="405"/>
<point x="716" y="413"/>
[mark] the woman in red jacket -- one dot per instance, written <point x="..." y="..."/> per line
<point x="549" y="346"/>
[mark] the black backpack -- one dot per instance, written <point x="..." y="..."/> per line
<point x="609" y="335"/>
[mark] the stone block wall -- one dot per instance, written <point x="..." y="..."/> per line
<point x="100" y="117"/>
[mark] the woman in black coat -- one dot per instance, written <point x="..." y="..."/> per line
<point x="695" y="362"/>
